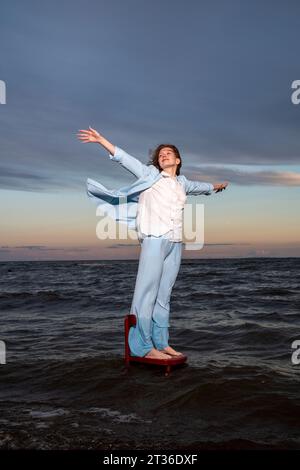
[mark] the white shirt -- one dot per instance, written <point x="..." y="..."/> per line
<point x="160" y="209"/>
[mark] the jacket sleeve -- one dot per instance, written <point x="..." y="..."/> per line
<point x="130" y="163"/>
<point x="196" y="188"/>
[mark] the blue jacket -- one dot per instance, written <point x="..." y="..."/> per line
<point x="121" y="204"/>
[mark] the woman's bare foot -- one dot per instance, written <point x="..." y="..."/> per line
<point x="155" y="354"/>
<point x="171" y="351"/>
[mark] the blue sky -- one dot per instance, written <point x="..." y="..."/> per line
<point x="212" y="77"/>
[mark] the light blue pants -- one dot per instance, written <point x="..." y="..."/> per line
<point x="158" y="267"/>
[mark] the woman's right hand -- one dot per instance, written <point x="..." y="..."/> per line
<point x="90" y="135"/>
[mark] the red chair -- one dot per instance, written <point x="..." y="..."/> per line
<point x="130" y="320"/>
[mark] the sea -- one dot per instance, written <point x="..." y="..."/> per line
<point x="63" y="380"/>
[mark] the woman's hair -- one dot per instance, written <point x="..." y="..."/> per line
<point x="155" y="154"/>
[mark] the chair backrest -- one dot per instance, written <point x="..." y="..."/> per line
<point x="130" y="320"/>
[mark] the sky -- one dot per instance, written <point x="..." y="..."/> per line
<point x="211" y="77"/>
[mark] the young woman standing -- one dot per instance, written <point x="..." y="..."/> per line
<point x="159" y="228"/>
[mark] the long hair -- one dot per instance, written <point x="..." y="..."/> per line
<point x="155" y="153"/>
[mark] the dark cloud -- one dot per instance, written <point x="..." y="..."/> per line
<point x="7" y="249"/>
<point x="21" y="180"/>
<point x="214" y="79"/>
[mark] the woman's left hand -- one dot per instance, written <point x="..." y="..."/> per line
<point x="220" y="186"/>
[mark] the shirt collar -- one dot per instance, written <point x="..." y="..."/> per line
<point x="164" y="173"/>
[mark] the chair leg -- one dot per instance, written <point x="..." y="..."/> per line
<point x="168" y="370"/>
<point x="127" y="362"/>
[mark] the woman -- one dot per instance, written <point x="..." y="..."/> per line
<point x="160" y="202"/>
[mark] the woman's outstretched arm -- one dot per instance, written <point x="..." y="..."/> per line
<point x="130" y="163"/>
<point x="196" y="188"/>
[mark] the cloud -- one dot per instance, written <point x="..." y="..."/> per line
<point x="219" y="99"/>
<point x="225" y="244"/>
<point x="219" y="174"/>
<point x="123" y="245"/>
<point x="132" y="245"/>
<point x="5" y="249"/>
<point x="22" y="180"/>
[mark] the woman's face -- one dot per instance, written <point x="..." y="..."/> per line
<point x="167" y="158"/>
